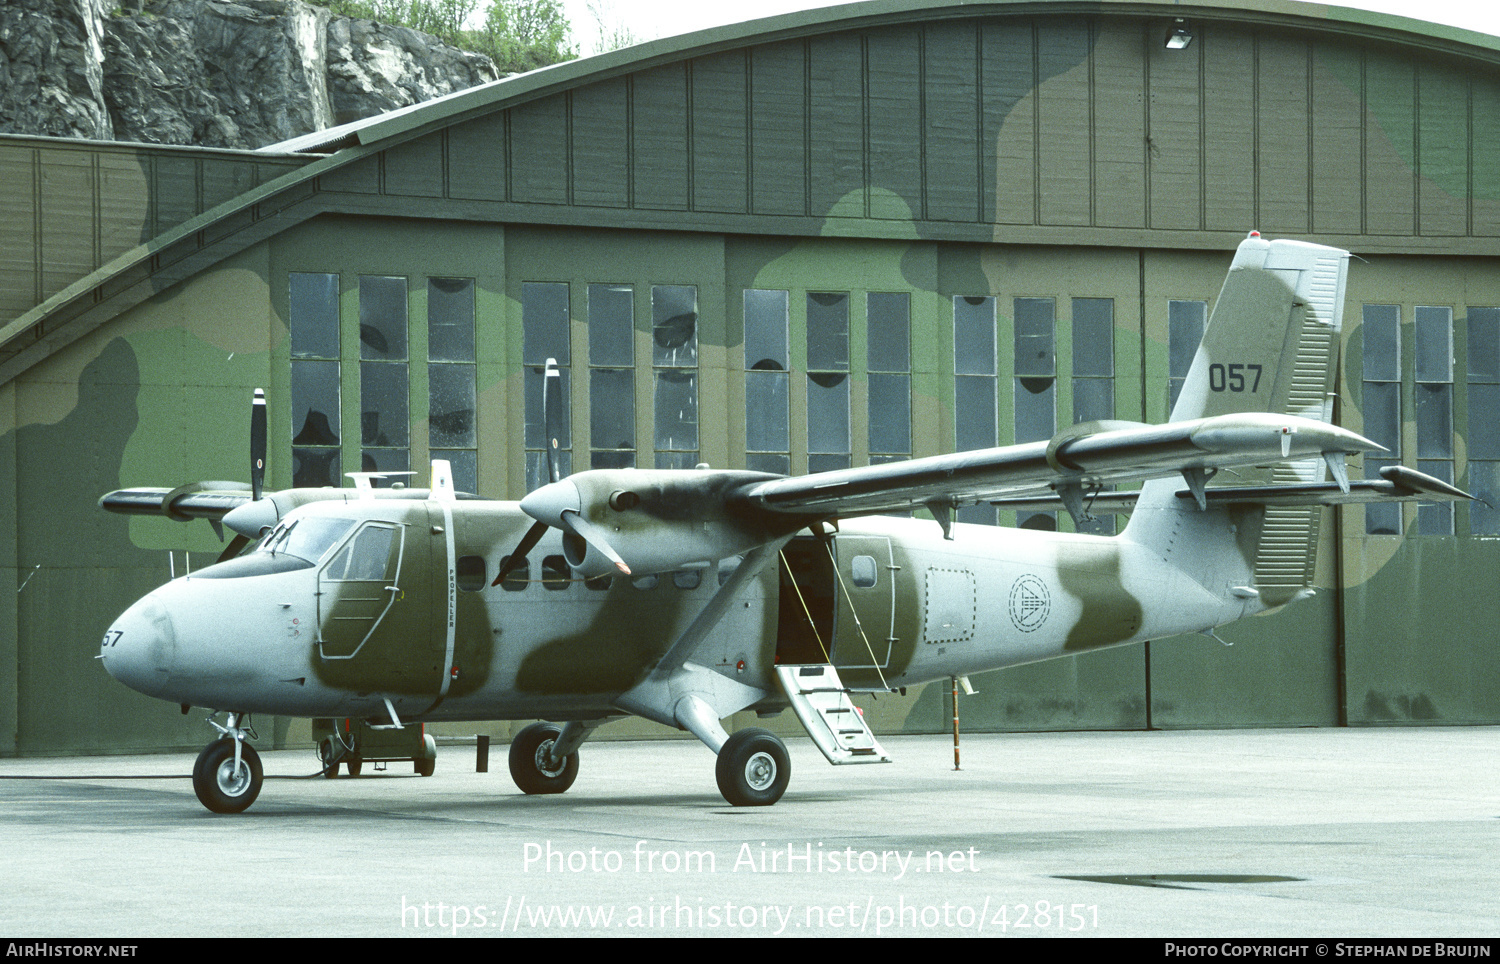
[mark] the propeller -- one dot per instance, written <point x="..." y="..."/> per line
<point x="543" y="504"/>
<point x="257" y="476"/>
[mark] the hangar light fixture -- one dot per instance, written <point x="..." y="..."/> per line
<point x="1179" y="36"/>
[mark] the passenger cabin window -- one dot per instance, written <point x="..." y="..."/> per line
<point x="555" y="573"/>
<point x="470" y="572"/>
<point x="863" y="571"/>
<point x="518" y="578"/>
<point x="687" y="578"/>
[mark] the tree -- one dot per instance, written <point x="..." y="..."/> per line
<point x="516" y="34"/>
<point x="526" y="34"/>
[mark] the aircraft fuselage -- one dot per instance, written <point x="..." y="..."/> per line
<point x="397" y="603"/>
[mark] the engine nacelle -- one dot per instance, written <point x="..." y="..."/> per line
<point x="656" y="520"/>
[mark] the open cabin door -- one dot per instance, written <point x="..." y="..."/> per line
<point x="830" y="603"/>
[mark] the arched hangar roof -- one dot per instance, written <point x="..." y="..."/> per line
<point x="1015" y="122"/>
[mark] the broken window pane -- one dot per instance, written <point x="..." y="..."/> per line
<point x="828" y="412"/>
<point x="1035" y="339"/>
<point x="450" y="416"/>
<point x="828" y="331"/>
<point x="674" y="326"/>
<point x="973" y="335"/>
<point x="766" y="331"/>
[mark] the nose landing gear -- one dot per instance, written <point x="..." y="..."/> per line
<point x="227" y="775"/>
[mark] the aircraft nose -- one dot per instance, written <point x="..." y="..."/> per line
<point x="139" y="648"/>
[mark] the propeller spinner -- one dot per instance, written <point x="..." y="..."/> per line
<point x="557" y="504"/>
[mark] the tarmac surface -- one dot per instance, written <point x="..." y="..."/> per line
<point x="1322" y="833"/>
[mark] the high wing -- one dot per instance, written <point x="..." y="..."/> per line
<point x="1256" y="404"/>
<point x="1073" y="460"/>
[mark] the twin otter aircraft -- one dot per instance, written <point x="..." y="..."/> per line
<point x="687" y="596"/>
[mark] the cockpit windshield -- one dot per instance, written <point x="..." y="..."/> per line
<point x="305" y="538"/>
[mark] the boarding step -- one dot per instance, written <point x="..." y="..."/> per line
<point x="828" y="715"/>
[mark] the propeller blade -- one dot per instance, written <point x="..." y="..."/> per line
<point x="257" y="444"/>
<point x="594" y="536"/>
<point x="552" y="418"/>
<point x="527" y="543"/>
<point x="235" y="547"/>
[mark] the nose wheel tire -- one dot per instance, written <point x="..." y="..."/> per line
<point x="753" y="768"/>
<point x="220" y="785"/>
<point x="531" y="765"/>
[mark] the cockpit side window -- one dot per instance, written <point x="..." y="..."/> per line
<point x="365" y="558"/>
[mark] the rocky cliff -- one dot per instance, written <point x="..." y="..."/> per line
<point x="218" y="73"/>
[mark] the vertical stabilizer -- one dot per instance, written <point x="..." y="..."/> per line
<point x="1271" y="345"/>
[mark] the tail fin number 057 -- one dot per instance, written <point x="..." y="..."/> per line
<point x="1232" y="378"/>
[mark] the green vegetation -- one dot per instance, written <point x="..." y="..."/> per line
<point x="516" y="34"/>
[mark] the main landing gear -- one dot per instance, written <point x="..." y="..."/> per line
<point x="753" y="767"/>
<point x="227" y="775"/>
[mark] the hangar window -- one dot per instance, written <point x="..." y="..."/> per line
<point x="451" y="423"/>
<point x="1186" y="321"/>
<point x="767" y="382"/>
<point x="1483" y="433"/>
<point x="1094" y="376"/>
<point x="888" y="331"/>
<point x="313" y="316"/>
<point x="611" y="376"/>
<point x="384" y="375"/>
<point x="1035" y="384"/>
<point x="1434" y="411"/>
<point x="828" y="381"/>
<point x="674" y="359"/>
<point x="974" y="385"/>
<point x="1380" y="404"/>
<point x="545" y="334"/>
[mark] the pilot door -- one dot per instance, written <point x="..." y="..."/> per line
<point x="838" y="607"/>
<point x="375" y="630"/>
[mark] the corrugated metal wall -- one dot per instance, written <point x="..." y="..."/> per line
<point x="69" y="207"/>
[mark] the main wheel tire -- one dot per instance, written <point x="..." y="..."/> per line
<point x="219" y="785"/>
<point x="354" y="763"/>
<point x="753" y="768"/>
<point x="424" y="768"/>
<point x="528" y="761"/>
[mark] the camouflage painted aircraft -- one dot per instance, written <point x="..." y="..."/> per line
<point x="398" y="606"/>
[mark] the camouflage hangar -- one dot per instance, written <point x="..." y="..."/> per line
<point x="885" y="230"/>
